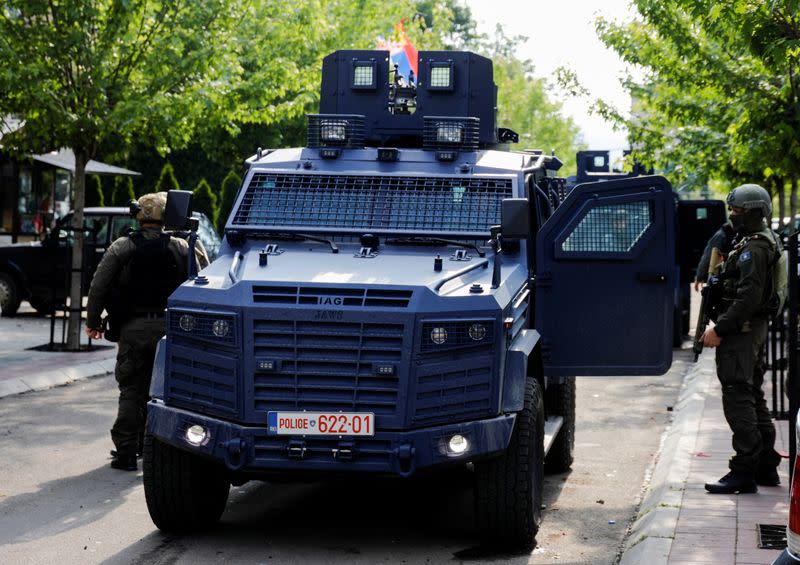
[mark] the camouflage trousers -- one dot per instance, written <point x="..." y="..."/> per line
<point x="740" y="371"/>
<point x="135" y="357"/>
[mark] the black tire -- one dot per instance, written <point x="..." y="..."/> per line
<point x="508" y="488"/>
<point x="9" y="295"/>
<point x="42" y="306"/>
<point x="677" y="336"/>
<point x="184" y="493"/>
<point x="560" y="401"/>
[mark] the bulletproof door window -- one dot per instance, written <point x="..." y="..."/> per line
<point x="610" y="228"/>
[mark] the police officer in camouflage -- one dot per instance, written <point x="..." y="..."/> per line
<point x="739" y="335"/>
<point x="133" y="280"/>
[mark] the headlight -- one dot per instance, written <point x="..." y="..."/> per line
<point x="197" y="435"/>
<point x="187" y="322"/>
<point x="449" y="133"/>
<point x="221" y="328"/>
<point x="477" y="332"/>
<point x="333" y="131"/>
<point x="438" y="335"/>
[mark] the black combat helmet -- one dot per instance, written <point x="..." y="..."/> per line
<point x="751" y="196"/>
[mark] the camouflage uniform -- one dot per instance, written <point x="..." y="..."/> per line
<point x="139" y="333"/>
<point x="747" y="284"/>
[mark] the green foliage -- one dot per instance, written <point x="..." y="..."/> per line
<point x="205" y="201"/>
<point x="230" y="184"/>
<point x="167" y="180"/>
<point x="123" y="191"/>
<point x="720" y="93"/>
<point x="94" y="192"/>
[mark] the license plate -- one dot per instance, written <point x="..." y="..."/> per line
<point x="321" y="423"/>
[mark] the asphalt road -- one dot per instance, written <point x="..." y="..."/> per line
<point x="61" y="503"/>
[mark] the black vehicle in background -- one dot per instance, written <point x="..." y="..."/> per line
<point x="39" y="271"/>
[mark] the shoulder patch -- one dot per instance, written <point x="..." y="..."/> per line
<point x="744" y="257"/>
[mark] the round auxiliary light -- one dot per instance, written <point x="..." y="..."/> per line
<point x="196" y="435"/>
<point x="438" y="335"/>
<point x="221" y="328"/>
<point x="477" y="332"/>
<point x="187" y="322"/>
<point x="458" y="444"/>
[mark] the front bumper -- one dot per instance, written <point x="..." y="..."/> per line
<point x="250" y="450"/>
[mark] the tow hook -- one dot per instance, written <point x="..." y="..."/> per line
<point x="344" y="452"/>
<point x="235" y="450"/>
<point x="405" y="459"/>
<point x="296" y="449"/>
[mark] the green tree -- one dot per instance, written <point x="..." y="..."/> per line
<point x="167" y="180"/>
<point x="230" y="184"/>
<point x="719" y="95"/>
<point x="205" y="201"/>
<point x="92" y="74"/>
<point x="123" y="191"/>
<point x="94" y="192"/>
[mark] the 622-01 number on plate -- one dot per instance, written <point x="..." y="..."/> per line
<point x="321" y="423"/>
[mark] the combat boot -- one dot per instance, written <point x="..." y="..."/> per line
<point x="767" y="477"/>
<point x="124" y="462"/>
<point x="733" y="482"/>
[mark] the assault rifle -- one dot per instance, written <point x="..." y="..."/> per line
<point x="710" y="302"/>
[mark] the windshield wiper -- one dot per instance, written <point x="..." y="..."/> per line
<point x="301" y="237"/>
<point x="428" y="240"/>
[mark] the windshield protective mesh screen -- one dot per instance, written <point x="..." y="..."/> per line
<point x="610" y="229"/>
<point x="373" y="203"/>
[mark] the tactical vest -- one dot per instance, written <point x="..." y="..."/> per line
<point x="153" y="272"/>
<point x="775" y="291"/>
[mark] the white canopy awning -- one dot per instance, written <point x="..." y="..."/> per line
<point x="65" y="159"/>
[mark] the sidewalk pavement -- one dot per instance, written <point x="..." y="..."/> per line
<point x="23" y="369"/>
<point x="679" y="523"/>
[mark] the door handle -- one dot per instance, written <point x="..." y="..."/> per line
<point x="651" y="277"/>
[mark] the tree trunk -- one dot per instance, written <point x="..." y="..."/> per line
<point x="780" y="190"/>
<point x="793" y="198"/>
<point x="75" y="287"/>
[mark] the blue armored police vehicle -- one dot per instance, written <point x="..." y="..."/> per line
<point x="404" y="295"/>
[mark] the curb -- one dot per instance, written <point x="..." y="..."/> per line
<point x="57" y="377"/>
<point x="650" y="537"/>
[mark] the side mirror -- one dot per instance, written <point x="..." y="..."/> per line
<point x="178" y="210"/>
<point x="515" y="218"/>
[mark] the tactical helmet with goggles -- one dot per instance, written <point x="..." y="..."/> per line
<point x="149" y="208"/>
<point x="751" y="197"/>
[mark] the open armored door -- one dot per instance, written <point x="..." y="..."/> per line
<point x="605" y="279"/>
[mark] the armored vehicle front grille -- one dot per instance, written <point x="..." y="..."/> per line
<point x="327" y="366"/>
<point x="467" y="206"/>
<point x="204" y="383"/>
<point x="447" y="392"/>
<point x="327" y="296"/>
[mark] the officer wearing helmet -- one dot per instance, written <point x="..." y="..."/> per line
<point x="739" y="335"/>
<point x="134" y="278"/>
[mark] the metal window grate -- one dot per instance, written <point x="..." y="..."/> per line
<point x="376" y="204"/>
<point x="335" y="130"/>
<point x="461" y="134"/>
<point x="610" y="229"/>
<point x="771" y="536"/>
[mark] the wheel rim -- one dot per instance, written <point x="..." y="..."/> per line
<point x="5" y="294"/>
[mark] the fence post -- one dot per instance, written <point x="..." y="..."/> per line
<point x="793" y="382"/>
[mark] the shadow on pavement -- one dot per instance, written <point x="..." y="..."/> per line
<point x="63" y="504"/>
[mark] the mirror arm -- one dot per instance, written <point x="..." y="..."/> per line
<point x="497" y="247"/>
<point x="193" y="225"/>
